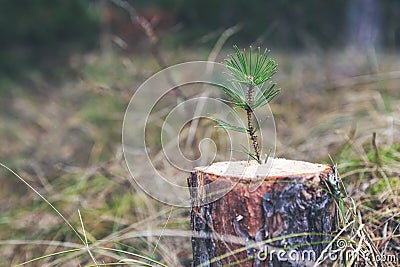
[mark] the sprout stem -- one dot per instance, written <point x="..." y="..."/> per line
<point x="250" y="126"/>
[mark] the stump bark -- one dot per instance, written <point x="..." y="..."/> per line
<point x="292" y="211"/>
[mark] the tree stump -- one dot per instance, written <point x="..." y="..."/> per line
<point x="291" y="211"/>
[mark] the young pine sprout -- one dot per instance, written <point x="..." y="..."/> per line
<point x="250" y="88"/>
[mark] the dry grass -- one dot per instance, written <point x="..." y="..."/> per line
<point x="66" y="143"/>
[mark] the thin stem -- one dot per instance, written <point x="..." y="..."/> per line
<point x="250" y="126"/>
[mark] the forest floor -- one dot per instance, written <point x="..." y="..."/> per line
<point x="64" y="140"/>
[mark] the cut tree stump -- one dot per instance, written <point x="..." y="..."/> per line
<point x="291" y="214"/>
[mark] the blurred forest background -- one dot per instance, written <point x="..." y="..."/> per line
<point x="43" y="32"/>
<point x="69" y="68"/>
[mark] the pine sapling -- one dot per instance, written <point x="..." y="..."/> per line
<point x="250" y="88"/>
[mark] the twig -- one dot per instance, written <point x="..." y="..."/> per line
<point x="212" y="57"/>
<point x="222" y="40"/>
<point x="86" y="240"/>
<point x="379" y="163"/>
<point x="377" y="158"/>
<point x="136" y="18"/>
<point x="159" y="238"/>
<point x="149" y="31"/>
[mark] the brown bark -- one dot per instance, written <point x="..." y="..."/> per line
<point x="299" y="206"/>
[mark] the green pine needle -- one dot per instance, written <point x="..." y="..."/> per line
<point x="227" y="126"/>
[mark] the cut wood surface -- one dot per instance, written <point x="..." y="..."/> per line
<point x="291" y="208"/>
